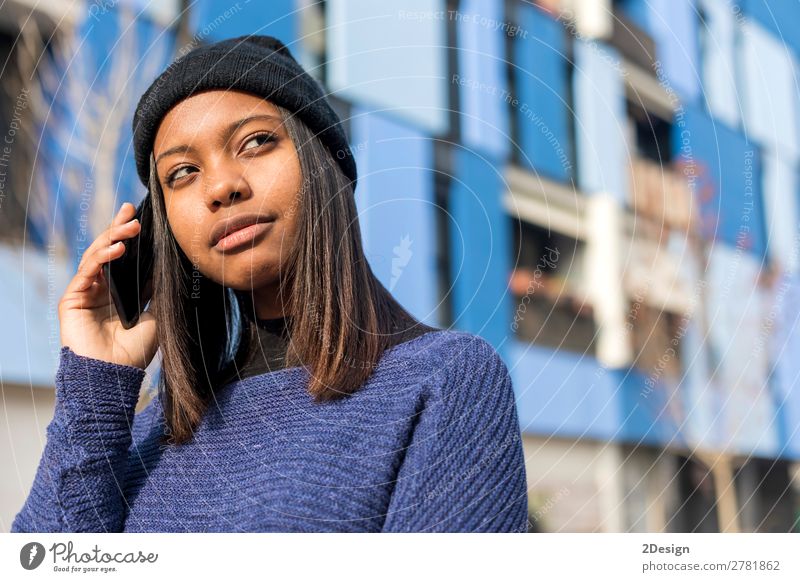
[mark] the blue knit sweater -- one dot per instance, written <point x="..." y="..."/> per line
<point x="431" y="442"/>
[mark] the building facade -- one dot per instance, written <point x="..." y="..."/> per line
<point x="605" y="190"/>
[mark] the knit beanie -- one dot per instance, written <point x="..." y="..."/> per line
<point x="261" y="65"/>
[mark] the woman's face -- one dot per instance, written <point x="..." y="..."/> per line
<point x="221" y="155"/>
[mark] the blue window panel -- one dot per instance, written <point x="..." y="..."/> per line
<point x="116" y="58"/>
<point x="157" y="48"/>
<point x="33" y="280"/>
<point x="573" y="396"/>
<point x="726" y="173"/>
<point x="673" y="26"/>
<point x="213" y="20"/>
<point x="395" y="200"/>
<point x="164" y="12"/>
<point x="481" y="244"/>
<point x="779" y="17"/>
<point x="562" y="394"/>
<point x="699" y="396"/>
<point x="768" y="91"/>
<point x="600" y="121"/>
<point x="637" y="11"/>
<point x="392" y="57"/>
<point x="481" y="78"/>
<point x="99" y="36"/>
<point x="737" y="305"/>
<point x="649" y="410"/>
<point x="780" y="205"/>
<point x="717" y="47"/>
<point x="784" y="346"/>
<point x="542" y="113"/>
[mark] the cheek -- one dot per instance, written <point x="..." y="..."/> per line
<point x="291" y="227"/>
<point x="280" y="181"/>
<point x="187" y="231"/>
<point x="290" y="206"/>
<point x="286" y="236"/>
<point x="281" y="193"/>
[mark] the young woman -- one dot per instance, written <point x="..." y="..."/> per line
<point x="295" y="393"/>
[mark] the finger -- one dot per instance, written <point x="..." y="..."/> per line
<point x="91" y="267"/>
<point x="124" y="214"/>
<point x="90" y="270"/>
<point x="96" y="295"/>
<point x="122" y="231"/>
<point x="110" y="236"/>
<point x="100" y="284"/>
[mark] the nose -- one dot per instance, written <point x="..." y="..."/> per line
<point x="224" y="184"/>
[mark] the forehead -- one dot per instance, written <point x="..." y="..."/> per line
<point x="207" y="112"/>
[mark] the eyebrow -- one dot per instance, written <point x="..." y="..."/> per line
<point x="226" y="135"/>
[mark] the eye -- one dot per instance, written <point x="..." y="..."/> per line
<point x="259" y="140"/>
<point x="176" y="175"/>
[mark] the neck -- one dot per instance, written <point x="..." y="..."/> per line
<point x="267" y="303"/>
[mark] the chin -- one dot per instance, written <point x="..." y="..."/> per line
<point x="245" y="273"/>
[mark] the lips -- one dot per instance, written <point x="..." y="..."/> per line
<point x="230" y="225"/>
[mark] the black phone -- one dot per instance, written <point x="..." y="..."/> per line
<point x="130" y="277"/>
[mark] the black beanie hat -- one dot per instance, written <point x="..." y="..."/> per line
<point x="257" y="64"/>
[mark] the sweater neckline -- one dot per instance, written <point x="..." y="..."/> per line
<point x="275" y="324"/>
<point x="296" y="369"/>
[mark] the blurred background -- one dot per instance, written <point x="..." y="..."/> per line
<point x="605" y="190"/>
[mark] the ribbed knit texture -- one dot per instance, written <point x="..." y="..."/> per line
<point x="431" y="442"/>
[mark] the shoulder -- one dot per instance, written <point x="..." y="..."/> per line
<point x="448" y="347"/>
<point x="443" y="372"/>
<point x="457" y="365"/>
<point x="459" y="350"/>
<point x="469" y="415"/>
<point x="469" y="348"/>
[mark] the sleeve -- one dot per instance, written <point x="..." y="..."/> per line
<point x="78" y="483"/>
<point x="464" y="469"/>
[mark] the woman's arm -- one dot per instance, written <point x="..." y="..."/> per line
<point x="464" y="470"/>
<point x="78" y="485"/>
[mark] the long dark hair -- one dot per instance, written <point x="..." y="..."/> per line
<point x="341" y="318"/>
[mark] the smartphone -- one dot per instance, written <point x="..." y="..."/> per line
<point x="130" y="277"/>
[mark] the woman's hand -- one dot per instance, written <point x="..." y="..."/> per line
<point x="88" y="318"/>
